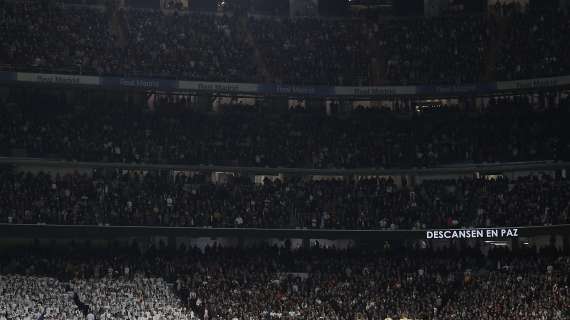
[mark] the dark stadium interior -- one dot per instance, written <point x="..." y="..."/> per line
<point x="284" y="159"/>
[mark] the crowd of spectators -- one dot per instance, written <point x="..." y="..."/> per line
<point x="33" y="297"/>
<point x="264" y="282"/>
<point x="27" y="297"/>
<point x="131" y="198"/>
<point x="312" y="51"/>
<point x="531" y="296"/>
<point x="360" y="139"/>
<point x="534" y="44"/>
<point x="37" y="36"/>
<point x="426" y="51"/>
<point x="191" y="47"/>
<point x="47" y="36"/>
<point x="135" y="298"/>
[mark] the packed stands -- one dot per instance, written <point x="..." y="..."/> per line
<point x="245" y="175"/>
<point x="37" y="36"/>
<point x="146" y="42"/>
<point x="196" y="47"/>
<point x="265" y="282"/>
<point x="154" y="199"/>
<point x="531" y="48"/>
<point x="435" y="51"/>
<point x="24" y="296"/>
<point x="294" y="50"/>
<point x="508" y="130"/>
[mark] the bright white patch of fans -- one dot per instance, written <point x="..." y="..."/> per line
<point x="25" y="298"/>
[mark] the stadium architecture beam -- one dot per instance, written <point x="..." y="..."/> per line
<point x="110" y="232"/>
<point x="450" y="169"/>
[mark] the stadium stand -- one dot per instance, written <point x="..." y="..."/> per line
<point x="508" y="130"/>
<point x="531" y="48"/>
<point x="363" y="167"/>
<point x="138" y="298"/>
<point x="154" y="199"/>
<point x="300" y="51"/>
<point x="277" y="283"/>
